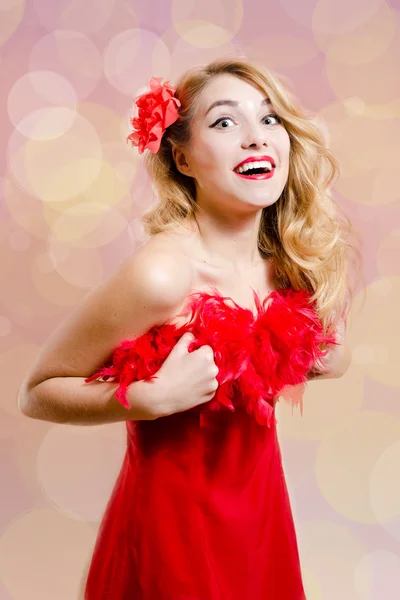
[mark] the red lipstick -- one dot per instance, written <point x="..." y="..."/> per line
<point x="258" y="176"/>
<point x="256" y="159"/>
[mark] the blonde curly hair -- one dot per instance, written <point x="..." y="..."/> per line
<point x="303" y="233"/>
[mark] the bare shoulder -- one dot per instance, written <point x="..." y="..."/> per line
<point x="160" y="270"/>
<point x="146" y="290"/>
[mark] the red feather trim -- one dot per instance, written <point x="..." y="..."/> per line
<point x="256" y="356"/>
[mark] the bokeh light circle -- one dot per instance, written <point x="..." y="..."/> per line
<point x="78" y="267"/>
<point x="26" y="211"/>
<point x="77" y="467"/>
<point x="24" y="301"/>
<point x="377" y="575"/>
<point x="327" y="549"/>
<point x="123" y="160"/>
<point x="57" y="169"/>
<point x="109" y="189"/>
<point x="62" y="51"/>
<point x="204" y="35"/>
<point x="346" y="459"/>
<point x="44" y="551"/>
<point x="11" y="15"/>
<point x="52" y="285"/>
<point x="207" y="24"/>
<point x="132" y="57"/>
<point x="88" y="225"/>
<point x="88" y="18"/>
<point x="372" y="336"/>
<point x="384" y="490"/>
<point x="285" y="50"/>
<point x="184" y="55"/>
<point x="327" y="404"/>
<point x="20" y="240"/>
<point x="388" y="252"/>
<point x="350" y="131"/>
<point x="311" y="586"/>
<point x="41" y="105"/>
<point x="111" y="125"/>
<point x="363" y="43"/>
<point x="354" y="77"/>
<point x="14" y="364"/>
<point x="327" y="19"/>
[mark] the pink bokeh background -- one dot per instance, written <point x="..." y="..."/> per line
<point x="71" y="196"/>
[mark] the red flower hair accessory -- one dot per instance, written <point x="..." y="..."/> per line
<point x="158" y="109"/>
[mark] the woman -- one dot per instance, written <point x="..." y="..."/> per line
<point x="241" y="290"/>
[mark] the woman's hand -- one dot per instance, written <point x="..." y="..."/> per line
<point x="186" y="379"/>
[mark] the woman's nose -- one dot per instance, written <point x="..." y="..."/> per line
<point x="256" y="137"/>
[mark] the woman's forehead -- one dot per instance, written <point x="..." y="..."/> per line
<point x="230" y="90"/>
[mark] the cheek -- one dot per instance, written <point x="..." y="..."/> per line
<point x="206" y="156"/>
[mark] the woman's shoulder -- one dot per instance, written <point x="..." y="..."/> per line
<point x="162" y="266"/>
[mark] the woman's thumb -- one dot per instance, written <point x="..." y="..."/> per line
<point x="182" y="344"/>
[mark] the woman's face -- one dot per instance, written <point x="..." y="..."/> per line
<point x="225" y="135"/>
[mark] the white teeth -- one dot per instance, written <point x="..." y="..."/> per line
<point x="254" y="165"/>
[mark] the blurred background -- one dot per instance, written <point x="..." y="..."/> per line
<point x="71" y="196"/>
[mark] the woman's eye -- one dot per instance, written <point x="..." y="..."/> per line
<point x="273" y="116"/>
<point x="222" y="119"/>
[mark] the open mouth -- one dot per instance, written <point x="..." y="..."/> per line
<point x="252" y="168"/>
<point x="260" y="172"/>
<point x="254" y="171"/>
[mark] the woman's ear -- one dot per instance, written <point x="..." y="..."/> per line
<point x="181" y="161"/>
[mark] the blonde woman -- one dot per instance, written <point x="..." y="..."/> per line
<point x="241" y="289"/>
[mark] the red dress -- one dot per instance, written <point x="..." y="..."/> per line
<point x="200" y="509"/>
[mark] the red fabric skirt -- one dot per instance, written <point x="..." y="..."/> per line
<point x="198" y="513"/>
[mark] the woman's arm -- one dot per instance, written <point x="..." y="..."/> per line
<point x="72" y="401"/>
<point x="337" y="360"/>
<point x="146" y="291"/>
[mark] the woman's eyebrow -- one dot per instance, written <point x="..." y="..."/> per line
<point x="266" y="101"/>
